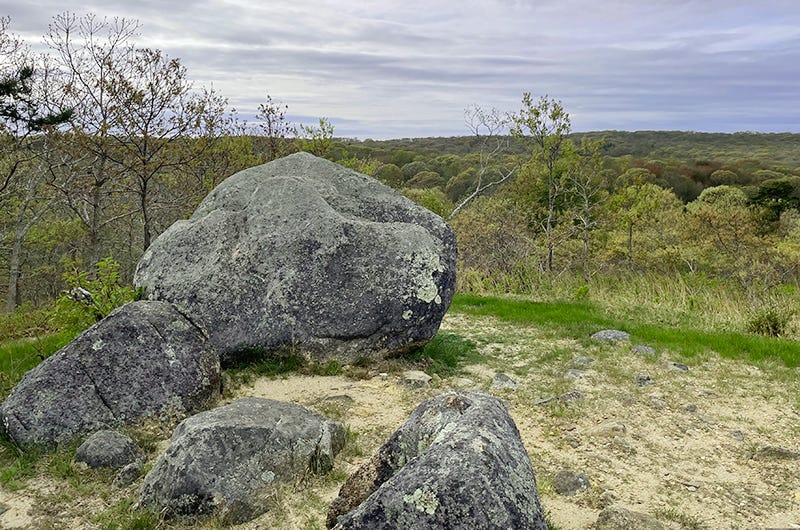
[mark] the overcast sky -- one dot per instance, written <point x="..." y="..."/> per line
<point x="408" y="68"/>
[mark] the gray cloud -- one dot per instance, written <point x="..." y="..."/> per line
<point x="381" y="69"/>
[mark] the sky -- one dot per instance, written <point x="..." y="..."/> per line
<point x="396" y="69"/>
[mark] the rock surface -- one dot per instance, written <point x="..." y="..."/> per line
<point x="457" y="462"/>
<point x="228" y="461"/>
<point x="108" y="449"/>
<point x="144" y="359"/>
<point x="304" y="253"/>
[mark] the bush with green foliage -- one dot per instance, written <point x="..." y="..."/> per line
<point x="91" y="296"/>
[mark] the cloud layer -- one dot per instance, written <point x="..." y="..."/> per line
<point x="383" y="70"/>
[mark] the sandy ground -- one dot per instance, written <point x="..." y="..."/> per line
<point x="687" y="448"/>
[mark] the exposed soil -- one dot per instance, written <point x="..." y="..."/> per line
<point x="688" y="447"/>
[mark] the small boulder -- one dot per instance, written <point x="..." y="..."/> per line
<point x="108" y="449"/>
<point x="773" y="452"/>
<point x="617" y="518"/>
<point x="567" y="482"/>
<point x="644" y="350"/>
<point x="644" y="380"/>
<point x="228" y="461"/>
<point x="609" y="428"/>
<point x="457" y="462"/>
<point x="581" y="361"/>
<point x="304" y="253"/>
<point x="128" y="475"/>
<point x="677" y="367"/>
<point x="502" y="381"/>
<point x="144" y="359"/>
<point x="611" y="336"/>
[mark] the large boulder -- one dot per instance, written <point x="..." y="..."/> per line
<point x="229" y="460"/>
<point x="303" y="253"/>
<point x="144" y="359"/>
<point x="457" y="463"/>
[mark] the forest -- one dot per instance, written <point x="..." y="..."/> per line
<point x="104" y="144"/>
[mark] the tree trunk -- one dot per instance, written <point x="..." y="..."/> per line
<point x="630" y="246"/>
<point x="146" y="221"/>
<point x="13" y="294"/>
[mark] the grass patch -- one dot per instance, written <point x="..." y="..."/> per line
<point x="19" y="356"/>
<point x="579" y="320"/>
<point x="446" y="355"/>
<point x="122" y="516"/>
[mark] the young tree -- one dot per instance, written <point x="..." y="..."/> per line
<point x="544" y="125"/>
<point x="275" y="128"/>
<point x="586" y="183"/>
<point x="315" y="139"/>
<point x="637" y="205"/>
<point x="158" y="123"/>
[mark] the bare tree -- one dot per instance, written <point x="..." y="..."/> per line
<point x="488" y="126"/>
<point x="275" y="128"/>
<point x="93" y="53"/>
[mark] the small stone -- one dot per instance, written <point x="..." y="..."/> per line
<point x="691" y="407"/>
<point x="606" y="499"/>
<point x="569" y="483"/>
<point x="107" y="449"/>
<point x="415" y="379"/>
<point x="611" y="336"/>
<point x="738" y="435"/>
<point x="571" y="396"/>
<point x="574" y="374"/>
<point x="644" y="350"/>
<point x="4" y="508"/>
<point x="772" y="452"/>
<point x="463" y="382"/>
<point x="617" y="518"/>
<point x="581" y="361"/>
<point x="572" y="441"/>
<point x="677" y="367"/>
<point x="128" y="475"/>
<point x="609" y="428"/>
<point x="503" y="381"/>
<point x="657" y="403"/>
<point x="644" y="379"/>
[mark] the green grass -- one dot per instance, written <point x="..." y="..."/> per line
<point x="446" y="355"/>
<point x="579" y="320"/>
<point x="19" y="356"/>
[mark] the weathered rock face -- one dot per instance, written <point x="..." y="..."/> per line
<point x="145" y="358"/>
<point x="307" y="254"/>
<point x="458" y="463"/>
<point x="228" y="460"/>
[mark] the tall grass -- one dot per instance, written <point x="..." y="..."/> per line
<point x="681" y="300"/>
